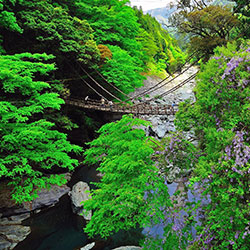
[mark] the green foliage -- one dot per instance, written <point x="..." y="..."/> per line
<point x="30" y="146"/>
<point x="71" y="30"/>
<point x="242" y="10"/>
<point x="130" y="191"/>
<point x="209" y="25"/>
<point x="56" y="29"/>
<point x="49" y="27"/>
<point x="220" y="118"/>
<point x="115" y="25"/>
<point x="7" y="17"/>
<point x="160" y="48"/>
<point x="113" y="22"/>
<point x="122" y="70"/>
<point x="8" y="20"/>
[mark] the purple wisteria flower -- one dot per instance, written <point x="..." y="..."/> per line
<point x="231" y="65"/>
<point x="238" y="151"/>
<point x="236" y="236"/>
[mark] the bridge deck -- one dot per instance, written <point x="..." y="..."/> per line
<point x="140" y="109"/>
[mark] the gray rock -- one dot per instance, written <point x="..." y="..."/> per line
<point x="155" y="120"/>
<point x="49" y="197"/>
<point x="171" y="118"/>
<point x="13" y="220"/>
<point x="14" y="233"/>
<point x="89" y="246"/>
<point x="46" y="197"/>
<point x="11" y="234"/>
<point x="161" y="130"/>
<point x="173" y="174"/>
<point x="128" y="248"/>
<point x="4" y="244"/>
<point x="171" y="127"/>
<point x="80" y="193"/>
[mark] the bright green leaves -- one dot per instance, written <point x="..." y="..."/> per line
<point x="8" y="20"/>
<point x="48" y="28"/>
<point x="122" y="70"/>
<point x="160" y="48"/>
<point x="15" y="78"/>
<point x="115" y="25"/>
<point x="135" y="47"/>
<point x="130" y="191"/>
<point x="55" y="27"/>
<point x="113" y="22"/>
<point x="30" y="146"/>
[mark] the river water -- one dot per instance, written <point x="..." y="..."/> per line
<point x="58" y="228"/>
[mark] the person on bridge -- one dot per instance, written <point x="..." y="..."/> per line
<point x="172" y="106"/>
<point x="110" y="105"/>
<point x="102" y="102"/>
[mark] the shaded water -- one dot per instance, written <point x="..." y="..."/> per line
<point x="55" y="228"/>
<point x="58" y="228"/>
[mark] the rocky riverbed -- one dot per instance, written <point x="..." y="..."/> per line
<point x="12" y="230"/>
<point x="163" y="125"/>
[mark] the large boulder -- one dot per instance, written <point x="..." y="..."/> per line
<point x="128" y="248"/>
<point x="88" y="247"/>
<point x="46" y="198"/>
<point x="49" y="197"/>
<point x="161" y="130"/>
<point x="80" y="193"/>
<point x="12" y="232"/>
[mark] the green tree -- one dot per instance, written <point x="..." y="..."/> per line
<point x="7" y="16"/>
<point x="47" y="27"/>
<point x="242" y="10"/>
<point x="208" y="25"/>
<point x="131" y="192"/>
<point x="116" y="26"/>
<point x="55" y="29"/>
<point x="160" y="47"/>
<point x="7" y="21"/>
<point x="122" y="70"/>
<point x="30" y="145"/>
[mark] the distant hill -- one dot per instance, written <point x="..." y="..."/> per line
<point x="162" y="14"/>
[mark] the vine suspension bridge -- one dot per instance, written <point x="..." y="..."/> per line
<point x="130" y="105"/>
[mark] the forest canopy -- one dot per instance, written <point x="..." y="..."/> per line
<point x="44" y="43"/>
<point x="50" y="49"/>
